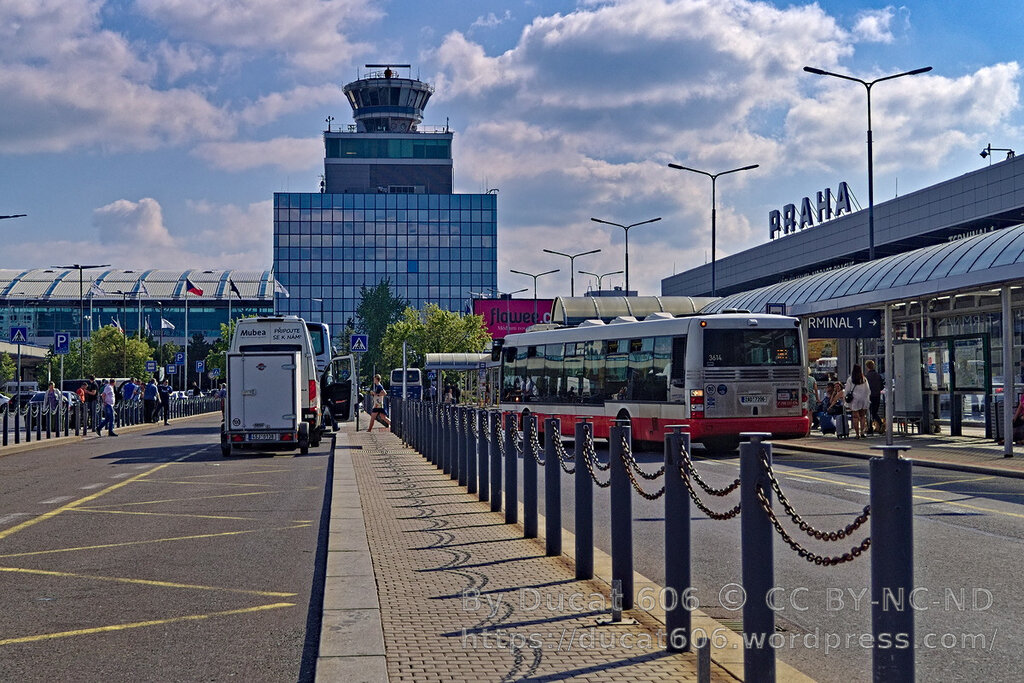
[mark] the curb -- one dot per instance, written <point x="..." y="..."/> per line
<point x="352" y="633"/>
<point x="937" y="464"/>
<point x="89" y="435"/>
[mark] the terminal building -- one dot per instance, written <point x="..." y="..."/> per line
<point x="51" y="300"/>
<point x="386" y="210"/>
<point x="948" y="268"/>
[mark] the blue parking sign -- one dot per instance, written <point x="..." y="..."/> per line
<point x="200" y="366"/>
<point x="61" y="343"/>
<point x="179" y="358"/>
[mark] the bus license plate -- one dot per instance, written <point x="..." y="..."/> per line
<point x="754" y="400"/>
<point x="263" y="437"/>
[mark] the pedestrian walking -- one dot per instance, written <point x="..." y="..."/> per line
<point x="128" y="389"/>
<point x="109" y="399"/>
<point x="91" y="394"/>
<point x="377" y="410"/>
<point x="150" y="396"/>
<point x="858" y="398"/>
<point x="876" y="384"/>
<point x="165" y="400"/>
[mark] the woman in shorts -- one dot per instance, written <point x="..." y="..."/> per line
<point x="377" y="410"/>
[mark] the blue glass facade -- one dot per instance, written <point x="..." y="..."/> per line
<point x="434" y="248"/>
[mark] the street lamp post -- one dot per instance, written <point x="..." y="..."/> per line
<point x="547" y="272"/>
<point x="507" y="296"/>
<point x="81" y="306"/>
<point x="321" y="302"/>
<point x="871" y="163"/>
<point x="599" y="277"/>
<point x="124" y="332"/>
<point x="572" y="273"/>
<point x="714" y="177"/>
<point x="626" y="228"/>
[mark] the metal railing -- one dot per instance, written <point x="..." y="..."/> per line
<point x="460" y="440"/>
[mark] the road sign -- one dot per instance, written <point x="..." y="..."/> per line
<point x="775" y="309"/>
<point x="358" y="343"/>
<point x="179" y="358"/>
<point x="19" y="335"/>
<point x="172" y="369"/>
<point x="850" y="325"/>
<point x="200" y="366"/>
<point x="61" y="343"/>
<point x="214" y="373"/>
<point x="150" y="366"/>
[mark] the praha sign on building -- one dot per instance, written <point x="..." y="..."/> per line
<point x="789" y="221"/>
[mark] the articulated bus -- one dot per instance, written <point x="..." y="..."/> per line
<point x="719" y="374"/>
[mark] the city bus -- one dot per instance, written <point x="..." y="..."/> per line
<point x="720" y="375"/>
<point x="320" y="334"/>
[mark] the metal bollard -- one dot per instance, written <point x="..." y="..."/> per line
<point x="511" y="471"/>
<point x="584" y="504"/>
<point x="496" y="442"/>
<point x="459" y="473"/>
<point x="758" y="561"/>
<point x="484" y="470"/>
<point x="552" y="488"/>
<point x="446" y="441"/>
<point x="435" y="432"/>
<point x="892" y="565"/>
<point x="471" y="451"/>
<point x="703" y="646"/>
<point x="678" y="615"/>
<point x="622" y="513"/>
<point x="529" y="477"/>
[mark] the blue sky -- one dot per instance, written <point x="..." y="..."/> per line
<point x="153" y="133"/>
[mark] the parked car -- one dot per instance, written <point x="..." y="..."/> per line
<point x="69" y="398"/>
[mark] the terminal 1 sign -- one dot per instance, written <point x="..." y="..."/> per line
<point x="789" y="220"/>
<point x="849" y="325"/>
<point x="511" y="316"/>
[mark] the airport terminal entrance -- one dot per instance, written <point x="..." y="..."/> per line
<point x="957" y="381"/>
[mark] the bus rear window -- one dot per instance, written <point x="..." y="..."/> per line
<point x="412" y="376"/>
<point x="751" y="348"/>
<point x="317" y="335"/>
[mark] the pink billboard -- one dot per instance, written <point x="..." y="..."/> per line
<point x="511" y="316"/>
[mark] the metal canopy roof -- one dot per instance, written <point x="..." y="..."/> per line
<point x="50" y="284"/>
<point x="572" y="311"/>
<point x="455" y="361"/>
<point x="980" y="262"/>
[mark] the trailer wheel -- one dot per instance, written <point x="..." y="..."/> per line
<point x="303" y="438"/>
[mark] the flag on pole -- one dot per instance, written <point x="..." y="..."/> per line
<point x="234" y="289"/>
<point x="94" y="290"/>
<point x="165" y="324"/>
<point x="191" y="288"/>
<point x="116" y="324"/>
<point x="279" y="289"/>
<point x="149" y="330"/>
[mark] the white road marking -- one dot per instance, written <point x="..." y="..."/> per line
<point x="122" y="475"/>
<point x="54" y="501"/>
<point x="92" y="486"/>
<point x="864" y="491"/>
<point x="12" y="516"/>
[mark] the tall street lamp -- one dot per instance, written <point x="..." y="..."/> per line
<point x="714" y="177"/>
<point x="81" y="306"/>
<point x="321" y="302"/>
<point x="572" y="258"/>
<point x="626" y="228"/>
<point x="599" y="277"/>
<point x="547" y="272"/>
<point x="871" y="163"/>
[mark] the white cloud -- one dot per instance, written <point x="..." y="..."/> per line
<point x="874" y="26"/>
<point x="288" y="154"/>
<point x="124" y="221"/>
<point x="271" y="107"/>
<point x="182" y="60"/>
<point x="309" y="34"/>
<point x="491" y="20"/>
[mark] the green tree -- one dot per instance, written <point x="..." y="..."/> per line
<point x="198" y="349"/>
<point x="215" y="357"/>
<point x="377" y="309"/>
<point x="435" y="331"/>
<point x="8" y="368"/>
<point x="115" y="355"/>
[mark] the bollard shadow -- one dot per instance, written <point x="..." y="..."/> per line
<point x="529" y="622"/>
<point x="598" y="668"/>
<point x="492" y="563"/>
<point x="511" y="589"/>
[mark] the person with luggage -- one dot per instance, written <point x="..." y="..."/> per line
<point x="858" y="398"/>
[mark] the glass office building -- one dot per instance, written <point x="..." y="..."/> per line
<point x="386" y="210"/>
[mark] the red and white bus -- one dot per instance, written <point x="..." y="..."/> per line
<point x="720" y="374"/>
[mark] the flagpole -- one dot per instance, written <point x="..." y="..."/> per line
<point x="139" y="331"/>
<point x="184" y="379"/>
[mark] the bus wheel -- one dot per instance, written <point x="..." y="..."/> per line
<point x="723" y="445"/>
<point x="304" y="438"/>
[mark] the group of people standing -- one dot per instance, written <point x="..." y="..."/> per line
<point x="860" y="397"/>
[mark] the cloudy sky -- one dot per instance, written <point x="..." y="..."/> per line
<point x="149" y="133"/>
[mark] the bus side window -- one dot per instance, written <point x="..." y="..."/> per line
<point x="678" y="361"/>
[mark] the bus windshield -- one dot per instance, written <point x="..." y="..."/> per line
<point x="726" y="348"/>
<point x="317" y="335"/>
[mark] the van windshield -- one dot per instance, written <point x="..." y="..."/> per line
<point x="317" y="335"/>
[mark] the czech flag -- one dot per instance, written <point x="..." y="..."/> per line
<point x="191" y="288"/>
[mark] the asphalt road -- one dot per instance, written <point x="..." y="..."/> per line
<point x="151" y="557"/>
<point x="968" y="545"/>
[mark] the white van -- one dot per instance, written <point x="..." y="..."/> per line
<point x="285" y="334"/>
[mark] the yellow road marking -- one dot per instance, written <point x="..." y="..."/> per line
<point x="199" y="483"/>
<point x="954" y="481"/>
<point x="188" y="499"/>
<point x="229" y="473"/>
<point x="141" y="624"/>
<point x="146" y="582"/>
<point x="160" y="514"/>
<point x="155" y="540"/>
<point x="93" y="496"/>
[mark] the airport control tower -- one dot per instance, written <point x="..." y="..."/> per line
<point x="386" y="150"/>
<point x="385" y="209"/>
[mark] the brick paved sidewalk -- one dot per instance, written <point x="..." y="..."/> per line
<point x="442" y="560"/>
